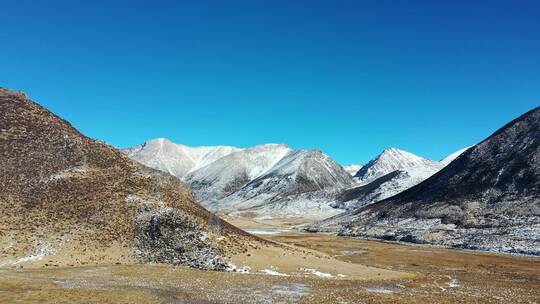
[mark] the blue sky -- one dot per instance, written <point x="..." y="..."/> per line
<point x="347" y="77"/>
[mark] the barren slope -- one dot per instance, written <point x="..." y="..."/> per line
<point x="71" y="199"/>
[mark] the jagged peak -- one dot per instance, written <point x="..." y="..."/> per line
<point x="389" y="160"/>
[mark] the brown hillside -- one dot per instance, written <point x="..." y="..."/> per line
<point x="81" y="201"/>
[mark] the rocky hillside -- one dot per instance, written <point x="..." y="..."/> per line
<point x="66" y="199"/>
<point x="487" y="198"/>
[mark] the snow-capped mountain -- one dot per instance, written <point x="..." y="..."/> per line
<point x="272" y="178"/>
<point x="231" y="172"/>
<point x="390" y="173"/>
<point x="352" y="169"/>
<point x="301" y="184"/>
<point x="176" y="159"/>
<point x="393" y="159"/>
<point x="276" y="180"/>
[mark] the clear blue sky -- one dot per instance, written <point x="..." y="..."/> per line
<point x="347" y="77"/>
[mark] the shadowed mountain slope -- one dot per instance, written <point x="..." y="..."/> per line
<point x="487" y="198"/>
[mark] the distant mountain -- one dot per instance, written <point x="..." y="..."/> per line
<point x="300" y="184"/>
<point x="352" y="169"/>
<point x="66" y="199"/>
<point x="487" y="198"/>
<point x="271" y="179"/>
<point x="176" y="159"/>
<point x="268" y="177"/>
<point x="390" y="173"/>
<point x="393" y="159"/>
<point x="232" y="172"/>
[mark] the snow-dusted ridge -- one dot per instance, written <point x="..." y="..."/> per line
<point x="267" y="179"/>
<point x="278" y="181"/>
<point x="352" y="169"/>
<point x="393" y="159"/>
<point x="177" y="159"/>
<point x="445" y="161"/>
<point x="388" y="174"/>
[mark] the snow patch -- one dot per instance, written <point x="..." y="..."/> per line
<point x="380" y="290"/>
<point x="264" y="231"/>
<point x="274" y="272"/>
<point x="316" y="272"/>
<point x="294" y="290"/>
<point x="38" y="254"/>
<point x="67" y="173"/>
<point x="233" y="268"/>
<point x="453" y="283"/>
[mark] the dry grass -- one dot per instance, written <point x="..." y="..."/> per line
<point x="442" y="276"/>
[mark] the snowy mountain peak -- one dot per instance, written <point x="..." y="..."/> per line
<point x="392" y="159"/>
<point x="398" y="154"/>
<point x="300" y="184"/>
<point x="275" y="179"/>
<point x="176" y="159"/>
<point x="405" y="170"/>
<point x="352" y="169"/>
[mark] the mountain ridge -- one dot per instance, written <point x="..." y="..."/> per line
<point x="243" y="170"/>
<point x="388" y="174"/>
<point x="217" y="182"/>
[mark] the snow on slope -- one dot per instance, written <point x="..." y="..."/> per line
<point x="275" y="180"/>
<point x="393" y="159"/>
<point x="383" y="187"/>
<point x="176" y="159"/>
<point x="390" y="173"/>
<point x="301" y="184"/>
<point x="231" y="172"/>
<point x="445" y="161"/>
<point x="352" y="169"/>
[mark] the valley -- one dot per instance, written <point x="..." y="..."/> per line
<point x="438" y="276"/>
<point x="84" y="222"/>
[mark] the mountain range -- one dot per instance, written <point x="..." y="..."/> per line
<point x="275" y="181"/>
<point x="352" y="168"/>
<point x="270" y="180"/>
<point x="80" y="201"/>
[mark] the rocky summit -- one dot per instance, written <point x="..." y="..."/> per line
<point x="67" y="199"/>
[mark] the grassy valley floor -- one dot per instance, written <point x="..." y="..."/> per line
<point x="337" y="270"/>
